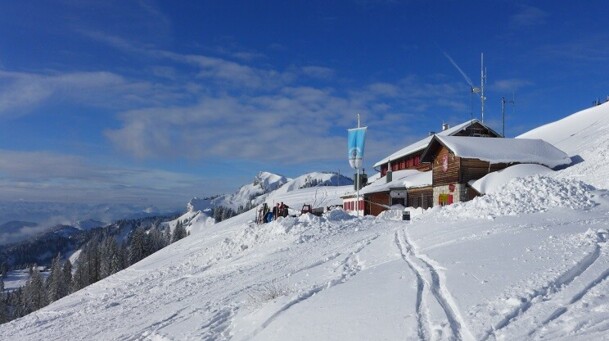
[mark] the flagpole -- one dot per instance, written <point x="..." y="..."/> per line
<point x="357" y="177"/>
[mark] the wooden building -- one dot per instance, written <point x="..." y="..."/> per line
<point x="437" y="170"/>
<point x="409" y="157"/>
<point x="414" y="187"/>
<point x="385" y="192"/>
<point x="455" y="161"/>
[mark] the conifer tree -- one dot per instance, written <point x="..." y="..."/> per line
<point x="81" y="275"/>
<point x="66" y="273"/>
<point x="179" y="232"/>
<point x="93" y="261"/>
<point x="15" y="303"/>
<point x="137" y="246"/>
<point x="55" y="281"/>
<point x="157" y="240"/>
<point x="34" y="293"/>
<point x="107" y="251"/>
<point x="3" y="306"/>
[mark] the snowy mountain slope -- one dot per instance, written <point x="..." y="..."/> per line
<point x="48" y="214"/>
<point x="339" y="277"/>
<point x="315" y="179"/>
<point x="317" y="188"/>
<point x="584" y="136"/>
<point x="527" y="262"/>
<point x="264" y="183"/>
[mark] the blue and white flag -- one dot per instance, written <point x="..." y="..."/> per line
<point x="356" y="141"/>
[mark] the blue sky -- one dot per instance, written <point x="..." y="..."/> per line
<point x="159" y="101"/>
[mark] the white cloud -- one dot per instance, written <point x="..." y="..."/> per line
<point x="528" y="16"/>
<point x="294" y="124"/>
<point x="510" y="85"/>
<point x="586" y="49"/>
<point x="41" y="176"/>
<point x="318" y="72"/>
<point x="21" y="92"/>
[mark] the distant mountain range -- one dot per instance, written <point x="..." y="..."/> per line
<point x="26" y="242"/>
<point x="21" y="220"/>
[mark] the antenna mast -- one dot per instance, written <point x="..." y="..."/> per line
<point x="482" y="81"/>
<point x="503" y="102"/>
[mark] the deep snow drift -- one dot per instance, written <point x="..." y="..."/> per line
<point x="584" y="137"/>
<point x="528" y="261"/>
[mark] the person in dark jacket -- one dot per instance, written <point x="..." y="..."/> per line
<point x="276" y="211"/>
<point x="283" y="209"/>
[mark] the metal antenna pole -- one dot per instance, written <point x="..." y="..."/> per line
<point x="503" y="116"/>
<point x="503" y="102"/>
<point x="482" y="80"/>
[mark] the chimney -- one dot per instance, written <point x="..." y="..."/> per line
<point x="445" y="126"/>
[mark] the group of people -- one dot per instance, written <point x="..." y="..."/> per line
<point x="266" y="215"/>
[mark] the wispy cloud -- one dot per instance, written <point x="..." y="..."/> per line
<point x="318" y="72"/>
<point x="276" y="126"/>
<point x="228" y="108"/>
<point x="528" y="16"/>
<point x="41" y="176"/>
<point x="20" y="92"/>
<point x="510" y="85"/>
<point x="584" y="49"/>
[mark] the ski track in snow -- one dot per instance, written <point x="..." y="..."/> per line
<point x="422" y="322"/>
<point x="558" y="312"/>
<point x="424" y="272"/>
<point x="153" y="329"/>
<point x="550" y="290"/>
<point x="218" y="328"/>
<point x="351" y="266"/>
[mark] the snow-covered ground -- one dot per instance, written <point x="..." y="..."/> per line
<point x="528" y="261"/>
<point x="16" y="279"/>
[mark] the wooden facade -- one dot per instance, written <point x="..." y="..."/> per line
<point x="413" y="160"/>
<point x="451" y="173"/>
<point x="451" y="169"/>
<point x="420" y="197"/>
<point x="377" y="202"/>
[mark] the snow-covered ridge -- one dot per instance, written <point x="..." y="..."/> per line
<point x="583" y="135"/>
<point x="266" y="187"/>
<point x="265" y="184"/>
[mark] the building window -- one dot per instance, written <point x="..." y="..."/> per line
<point x="445" y="199"/>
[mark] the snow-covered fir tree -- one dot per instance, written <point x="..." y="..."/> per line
<point x="34" y="292"/>
<point x="137" y="245"/>
<point x="56" y="285"/>
<point x="179" y="232"/>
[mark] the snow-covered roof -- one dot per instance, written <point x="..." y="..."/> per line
<point x="421" y="179"/>
<point x="501" y="150"/>
<point x="421" y="144"/>
<point x="402" y="179"/>
<point x="381" y="185"/>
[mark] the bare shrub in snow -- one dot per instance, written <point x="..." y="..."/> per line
<point x="268" y="292"/>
